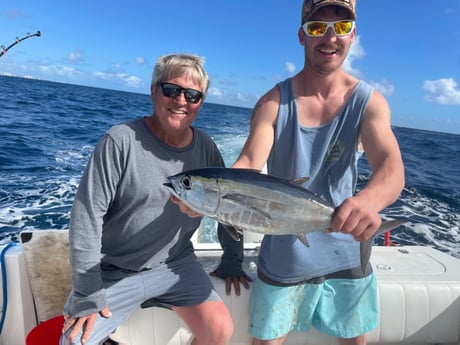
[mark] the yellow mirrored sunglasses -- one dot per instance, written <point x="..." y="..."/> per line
<point x="318" y="28"/>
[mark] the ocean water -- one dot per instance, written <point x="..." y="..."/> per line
<point x="48" y="130"/>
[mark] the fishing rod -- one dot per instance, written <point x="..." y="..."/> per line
<point x="4" y="50"/>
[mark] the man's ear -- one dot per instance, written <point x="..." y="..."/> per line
<point x="301" y="36"/>
<point x="353" y="35"/>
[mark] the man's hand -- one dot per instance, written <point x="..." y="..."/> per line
<point x="85" y="323"/>
<point x="235" y="281"/>
<point x="184" y="209"/>
<point x="356" y="218"/>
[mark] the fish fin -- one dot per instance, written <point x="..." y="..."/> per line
<point x="247" y="202"/>
<point x="302" y="238"/>
<point x="365" y="253"/>
<point x="233" y="232"/>
<point x="300" y="180"/>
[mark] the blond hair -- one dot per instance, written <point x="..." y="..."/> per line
<point x="171" y="66"/>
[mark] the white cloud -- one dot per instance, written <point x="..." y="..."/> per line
<point x="129" y="80"/>
<point x="442" y="91"/>
<point x="140" y="61"/>
<point x="64" y="71"/>
<point x="290" y="67"/>
<point x="102" y="75"/>
<point x="214" y="91"/>
<point x="241" y="97"/>
<point x="385" y="87"/>
<point x="75" y="56"/>
<point x="356" y="52"/>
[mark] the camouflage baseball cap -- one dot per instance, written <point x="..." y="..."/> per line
<point x="311" y="6"/>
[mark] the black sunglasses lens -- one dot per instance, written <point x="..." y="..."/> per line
<point x="173" y="91"/>
<point x="192" y="96"/>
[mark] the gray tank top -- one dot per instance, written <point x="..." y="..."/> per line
<point x="328" y="155"/>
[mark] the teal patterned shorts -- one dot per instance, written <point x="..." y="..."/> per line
<point x="343" y="308"/>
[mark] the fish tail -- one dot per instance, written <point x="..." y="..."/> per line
<point x="365" y="253"/>
<point x="366" y="247"/>
<point x="390" y="224"/>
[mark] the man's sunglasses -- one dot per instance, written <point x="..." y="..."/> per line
<point x="319" y="28"/>
<point x="172" y="91"/>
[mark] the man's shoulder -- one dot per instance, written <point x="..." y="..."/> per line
<point x="123" y="128"/>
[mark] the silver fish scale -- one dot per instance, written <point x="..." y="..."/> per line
<point x="259" y="209"/>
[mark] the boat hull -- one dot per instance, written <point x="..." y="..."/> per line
<point x="418" y="289"/>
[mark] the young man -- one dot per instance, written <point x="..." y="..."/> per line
<point x="317" y="124"/>
<point x="128" y="241"/>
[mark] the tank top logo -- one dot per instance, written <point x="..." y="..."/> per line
<point x="335" y="151"/>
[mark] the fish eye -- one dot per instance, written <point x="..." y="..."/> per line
<point x="186" y="181"/>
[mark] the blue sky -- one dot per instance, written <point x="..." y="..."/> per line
<point x="409" y="50"/>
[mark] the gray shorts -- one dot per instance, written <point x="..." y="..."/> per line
<point x="178" y="284"/>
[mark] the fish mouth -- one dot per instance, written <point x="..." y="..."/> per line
<point x="171" y="188"/>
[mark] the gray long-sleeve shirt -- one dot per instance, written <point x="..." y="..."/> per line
<point x="122" y="214"/>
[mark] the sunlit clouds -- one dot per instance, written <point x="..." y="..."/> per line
<point x="442" y="91"/>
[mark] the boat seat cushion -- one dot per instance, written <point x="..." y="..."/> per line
<point x="47" y="260"/>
